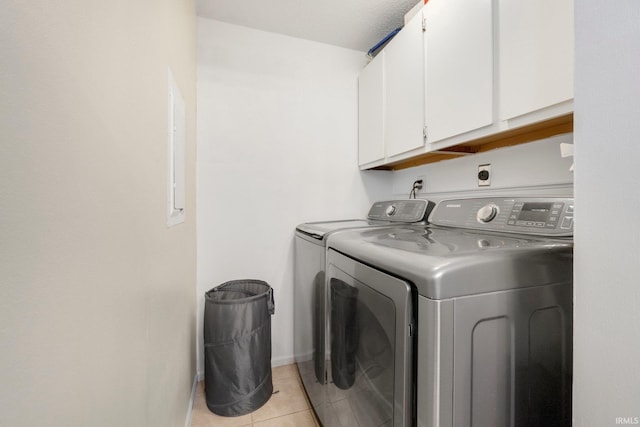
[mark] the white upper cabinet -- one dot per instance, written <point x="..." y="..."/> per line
<point x="458" y="67"/>
<point x="404" y="89"/>
<point x="371" y="112"/>
<point x="536" y="56"/>
<point x="463" y="73"/>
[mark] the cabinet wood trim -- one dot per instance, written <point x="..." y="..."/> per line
<point x="522" y="135"/>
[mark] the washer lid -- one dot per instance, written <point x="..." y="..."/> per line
<point x="445" y="263"/>
<point x="319" y="230"/>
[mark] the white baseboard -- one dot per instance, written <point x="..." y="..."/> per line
<point x="187" y="421"/>
<point x="283" y="360"/>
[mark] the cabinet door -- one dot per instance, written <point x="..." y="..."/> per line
<point x="404" y="89"/>
<point x="536" y="55"/>
<point x="458" y="67"/>
<point x="371" y="111"/>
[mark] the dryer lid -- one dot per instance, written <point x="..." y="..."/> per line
<point x="446" y="263"/>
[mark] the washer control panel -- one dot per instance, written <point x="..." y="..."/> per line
<point x="410" y="210"/>
<point x="546" y="216"/>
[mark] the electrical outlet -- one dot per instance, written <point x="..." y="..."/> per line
<point x="484" y="175"/>
<point x="417" y="185"/>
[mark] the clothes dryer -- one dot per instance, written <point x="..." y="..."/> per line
<point x="310" y="292"/>
<point x="467" y="321"/>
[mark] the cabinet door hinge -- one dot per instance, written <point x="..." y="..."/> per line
<point x="425" y="133"/>
<point x="424" y="24"/>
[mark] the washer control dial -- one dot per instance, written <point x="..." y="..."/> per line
<point x="391" y="209"/>
<point x="487" y="213"/>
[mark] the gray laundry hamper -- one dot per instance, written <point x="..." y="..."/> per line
<point x="237" y="347"/>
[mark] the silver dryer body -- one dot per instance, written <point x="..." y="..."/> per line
<point x="484" y="335"/>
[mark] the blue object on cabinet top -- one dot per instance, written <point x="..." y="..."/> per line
<point x="374" y="50"/>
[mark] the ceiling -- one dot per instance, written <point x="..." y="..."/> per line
<point x="353" y="24"/>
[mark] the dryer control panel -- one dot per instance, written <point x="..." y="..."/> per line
<point x="543" y="216"/>
<point x="410" y="210"/>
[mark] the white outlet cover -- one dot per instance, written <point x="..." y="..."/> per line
<point x="484" y="182"/>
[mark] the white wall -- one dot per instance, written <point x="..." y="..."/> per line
<point x="277" y="146"/>
<point x="516" y="169"/>
<point x="97" y="296"/>
<point x="607" y="231"/>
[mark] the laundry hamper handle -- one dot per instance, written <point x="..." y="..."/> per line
<point x="270" y="302"/>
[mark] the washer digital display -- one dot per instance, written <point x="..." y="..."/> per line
<point x="538" y="212"/>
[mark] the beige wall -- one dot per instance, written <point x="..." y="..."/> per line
<point x="97" y="295"/>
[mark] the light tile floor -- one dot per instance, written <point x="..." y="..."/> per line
<point x="288" y="407"/>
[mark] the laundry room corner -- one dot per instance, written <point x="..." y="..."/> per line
<point x="277" y="145"/>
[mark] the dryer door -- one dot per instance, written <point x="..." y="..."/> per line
<point x="370" y="345"/>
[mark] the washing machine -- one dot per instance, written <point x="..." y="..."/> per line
<point x="310" y="296"/>
<point x="464" y="322"/>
